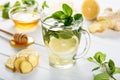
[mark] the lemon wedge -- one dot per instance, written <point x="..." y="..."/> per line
<point x="63" y="46"/>
<point x="90" y="9"/>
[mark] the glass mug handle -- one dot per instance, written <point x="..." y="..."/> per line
<point x="87" y="44"/>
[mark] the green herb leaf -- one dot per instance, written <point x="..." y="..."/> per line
<point x="17" y="3"/>
<point x="65" y="16"/>
<point x="47" y="34"/>
<point x="65" y="34"/>
<point x="102" y="76"/>
<point x="55" y="34"/>
<point x="105" y="63"/>
<point x="78" y="17"/>
<point x="96" y="68"/>
<point x="108" y="67"/>
<point x="100" y="57"/>
<point x="68" y="21"/>
<point x="117" y="70"/>
<point x="5" y="13"/>
<point x="44" y="5"/>
<point x="6" y="5"/>
<point x="5" y="10"/>
<point x="67" y="10"/>
<point x="28" y="2"/>
<point x="90" y="59"/>
<point x="57" y="15"/>
<point x="111" y="67"/>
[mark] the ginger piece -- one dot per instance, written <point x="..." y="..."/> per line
<point x="26" y="67"/>
<point x="33" y="59"/>
<point x="105" y="21"/>
<point x="109" y="20"/>
<point x="10" y="63"/>
<point x="96" y="27"/>
<point x="114" y="17"/>
<point x="23" y="62"/>
<point x="17" y="63"/>
<point x="100" y="25"/>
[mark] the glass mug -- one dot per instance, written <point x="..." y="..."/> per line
<point x="62" y="41"/>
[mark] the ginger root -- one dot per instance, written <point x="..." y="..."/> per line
<point x="109" y="20"/>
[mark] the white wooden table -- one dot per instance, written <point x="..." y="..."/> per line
<point x="107" y="42"/>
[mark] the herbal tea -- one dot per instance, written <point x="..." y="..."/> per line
<point x="62" y="35"/>
<point x="62" y="43"/>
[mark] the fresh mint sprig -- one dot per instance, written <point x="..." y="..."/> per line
<point x="17" y="4"/>
<point x="28" y="2"/>
<point x="66" y="16"/>
<point x="5" y="8"/>
<point x="109" y="67"/>
<point x="44" y="4"/>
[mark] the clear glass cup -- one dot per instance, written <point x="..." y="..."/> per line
<point x="62" y="41"/>
<point x="24" y="18"/>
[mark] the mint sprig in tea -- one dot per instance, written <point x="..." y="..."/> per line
<point x="61" y="34"/>
<point x="66" y="16"/>
<point x="61" y="23"/>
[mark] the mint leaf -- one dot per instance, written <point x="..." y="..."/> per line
<point x="17" y="3"/>
<point x="108" y="67"/>
<point x="68" y="21"/>
<point x="90" y="59"/>
<point x="100" y="57"/>
<point x="5" y="10"/>
<point x="28" y="2"/>
<point x="78" y="17"/>
<point x="102" y="76"/>
<point x="5" y="13"/>
<point x="55" y="34"/>
<point x="57" y="15"/>
<point x="67" y="10"/>
<point x="6" y="5"/>
<point x="96" y="68"/>
<point x="44" y="5"/>
<point x="65" y="16"/>
<point x="111" y="67"/>
<point x="117" y="70"/>
<point x="65" y="34"/>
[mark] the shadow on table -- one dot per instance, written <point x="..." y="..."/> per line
<point x="108" y="34"/>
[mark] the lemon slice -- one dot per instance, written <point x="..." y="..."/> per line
<point x="90" y="9"/>
<point x="63" y="46"/>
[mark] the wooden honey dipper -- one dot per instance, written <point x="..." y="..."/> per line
<point x="20" y="40"/>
